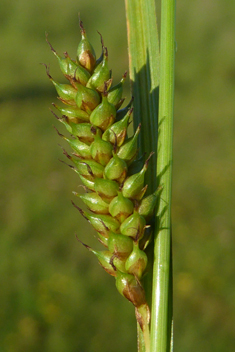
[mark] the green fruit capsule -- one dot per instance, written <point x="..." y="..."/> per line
<point x="133" y="226"/>
<point x="103" y="223"/>
<point x="85" y="52"/>
<point x="116" y="169"/>
<point x="67" y="66"/>
<point x="137" y="261"/>
<point x="89" y="168"/>
<point x="134" y="184"/>
<point x="101" y="74"/>
<point x="147" y="205"/>
<point x="86" y="99"/>
<point x="130" y="288"/>
<point x="115" y="93"/>
<point x="95" y="203"/>
<point x="101" y="151"/>
<point x="104" y="114"/>
<point x="118" y="264"/>
<point x="71" y="69"/>
<point x="81" y="75"/>
<point x="84" y="132"/>
<point x="128" y="150"/>
<point x="81" y="130"/>
<point x="116" y="133"/>
<point x="66" y="92"/>
<point x="104" y="258"/>
<point x="121" y="246"/>
<point x="82" y="149"/>
<point x="89" y="184"/>
<point x="107" y="189"/>
<point x="121" y="207"/>
<point x="72" y="115"/>
<point x="103" y="240"/>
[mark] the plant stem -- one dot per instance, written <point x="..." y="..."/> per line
<point x="144" y="72"/>
<point x="161" y="314"/>
<point x="144" y="64"/>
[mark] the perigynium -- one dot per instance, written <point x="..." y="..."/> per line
<point x="102" y="156"/>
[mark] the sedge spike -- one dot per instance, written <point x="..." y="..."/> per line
<point x="102" y="157"/>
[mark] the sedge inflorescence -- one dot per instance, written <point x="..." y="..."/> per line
<point x="102" y="156"/>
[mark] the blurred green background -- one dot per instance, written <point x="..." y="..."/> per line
<point x="53" y="295"/>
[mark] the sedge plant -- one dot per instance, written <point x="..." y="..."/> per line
<point x="120" y="205"/>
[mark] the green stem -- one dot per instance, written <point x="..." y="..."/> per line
<point x="144" y="64"/>
<point x="144" y="71"/>
<point x="161" y="314"/>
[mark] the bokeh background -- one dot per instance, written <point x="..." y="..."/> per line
<point x="53" y="295"/>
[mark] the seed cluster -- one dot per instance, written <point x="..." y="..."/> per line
<point x="102" y="155"/>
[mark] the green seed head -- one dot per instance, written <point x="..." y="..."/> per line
<point x="104" y="114"/>
<point x="104" y="258"/>
<point x="134" y="184"/>
<point x="106" y="188"/>
<point x="121" y="207"/>
<point x="95" y="203"/>
<point x="116" y="133"/>
<point x="72" y="115"/>
<point x="104" y="223"/>
<point x="101" y="151"/>
<point x="101" y="223"/>
<point x="147" y="206"/>
<point x="85" y="52"/>
<point x="82" y="149"/>
<point x="133" y="226"/>
<point x="102" y="158"/>
<point x="101" y="74"/>
<point x="89" y="168"/>
<point x="121" y="246"/>
<point x="136" y="263"/>
<point x="118" y="264"/>
<point x="116" y="169"/>
<point x="89" y="184"/>
<point x="85" y="132"/>
<point x="130" y="288"/>
<point x="86" y="99"/>
<point x="115" y="93"/>
<point x="81" y="75"/>
<point x="66" y="93"/>
<point x="128" y="150"/>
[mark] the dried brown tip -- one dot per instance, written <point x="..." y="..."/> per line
<point x="89" y="169"/>
<point x="101" y="39"/>
<point x="72" y="167"/>
<point x="65" y="153"/>
<point x="125" y="75"/>
<point x="61" y="135"/>
<point x="130" y="111"/>
<point x="57" y="117"/>
<point x="105" y="91"/>
<point x="112" y="263"/>
<point x="147" y="161"/>
<point x="47" y="69"/>
<point x="80" y="210"/>
<point x="106" y="228"/>
<point x="82" y="29"/>
<point x="52" y="49"/>
<point x="85" y="245"/>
